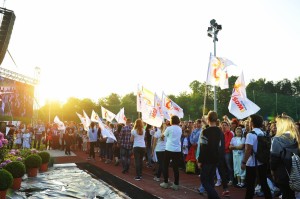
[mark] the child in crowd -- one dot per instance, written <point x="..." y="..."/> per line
<point x="237" y="145"/>
<point x="26" y="139"/>
<point x="18" y="140"/>
<point x="185" y="145"/>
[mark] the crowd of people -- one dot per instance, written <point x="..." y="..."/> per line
<point x="224" y="151"/>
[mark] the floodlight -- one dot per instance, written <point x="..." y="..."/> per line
<point x="219" y="27"/>
<point x="212" y="22"/>
<point x="208" y="34"/>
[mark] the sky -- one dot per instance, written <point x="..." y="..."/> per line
<point x="92" y="48"/>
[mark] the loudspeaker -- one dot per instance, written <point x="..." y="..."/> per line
<point x="8" y="20"/>
<point x="3" y="127"/>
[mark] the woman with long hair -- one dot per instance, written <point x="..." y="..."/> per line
<point x="284" y="144"/>
<point x="139" y="146"/>
<point x="159" y="147"/>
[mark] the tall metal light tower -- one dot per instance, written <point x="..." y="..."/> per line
<point x="212" y="31"/>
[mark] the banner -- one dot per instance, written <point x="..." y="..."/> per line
<point x="240" y="106"/>
<point x="171" y="108"/>
<point x="217" y="71"/>
<point x="106" y="114"/>
<point x="120" y="117"/>
<point x="61" y="125"/>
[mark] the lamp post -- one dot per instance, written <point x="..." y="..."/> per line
<point x="212" y="31"/>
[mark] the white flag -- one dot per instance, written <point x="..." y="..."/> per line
<point x="217" y="71"/>
<point x="171" y="107"/>
<point x="95" y="117"/>
<point x="87" y="119"/>
<point x="120" y="117"/>
<point x="83" y="121"/>
<point x="144" y="96"/>
<point x="150" y="114"/>
<point x="106" y="114"/>
<point x="240" y="106"/>
<point x="61" y="125"/>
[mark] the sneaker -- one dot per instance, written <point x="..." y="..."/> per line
<point x="88" y="158"/>
<point x="257" y="188"/>
<point x="156" y="179"/>
<point x="229" y="183"/>
<point x="164" y="185"/>
<point x="201" y="190"/>
<point x="137" y="178"/>
<point x="226" y="193"/>
<point x="218" y="183"/>
<point x="174" y="187"/>
<point x="242" y="185"/>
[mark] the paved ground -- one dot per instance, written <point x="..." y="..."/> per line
<point x="188" y="182"/>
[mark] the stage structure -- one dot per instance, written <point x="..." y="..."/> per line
<point x="17" y="94"/>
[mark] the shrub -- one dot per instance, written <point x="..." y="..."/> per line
<point x="6" y="179"/>
<point x="33" y="161"/>
<point x="16" y="168"/>
<point x="45" y="156"/>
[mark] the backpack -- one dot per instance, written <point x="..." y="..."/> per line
<point x="295" y="173"/>
<point x="263" y="148"/>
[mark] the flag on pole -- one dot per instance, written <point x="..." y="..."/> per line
<point x="170" y="107"/>
<point x="217" y="74"/>
<point x="61" y="125"/>
<point x="120" y="117"/>
<point x="87" y="119"/>
<point x="105" y="130"/>
<point x="106" y="114"/>
<point x="240" y="106"/>
<point x="150" y="114"/>
<point x="145" y="95"/>
<point x="83" y="121"/>
<point x="95" y="117"/>
<point x="158" y="103"/>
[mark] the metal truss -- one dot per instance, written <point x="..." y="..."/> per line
<point x="18" y="77"/>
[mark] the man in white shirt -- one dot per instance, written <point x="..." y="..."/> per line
<point x="249" y="162"/>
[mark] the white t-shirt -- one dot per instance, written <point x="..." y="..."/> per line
<point x="173" y="134"/>
<point x="251" y="139"/>
<point x="237" y="141"/>
<point x="139" y="140"/>
<point x="160" y="144"/>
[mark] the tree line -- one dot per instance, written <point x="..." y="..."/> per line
<point x="272" y="97"/>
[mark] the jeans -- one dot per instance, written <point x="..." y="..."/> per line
<point x="109" y="152"/>
<point x="207" y="179"/>
<point x="228" y="166"/>
<point x="138" y="159"/>
<point x="125" y="157"/>
<point x="92" y="149"/>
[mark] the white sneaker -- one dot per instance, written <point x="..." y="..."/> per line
<point x="156" y="179"/>
<point x="257" y="188"/>
<point x="229" y="183"/>
<point x="218" y="183"/>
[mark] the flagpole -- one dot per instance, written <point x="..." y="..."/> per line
<point x="215" y="90"/>
<point x="205" y="91"/>
<point x="213" y="31"/>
